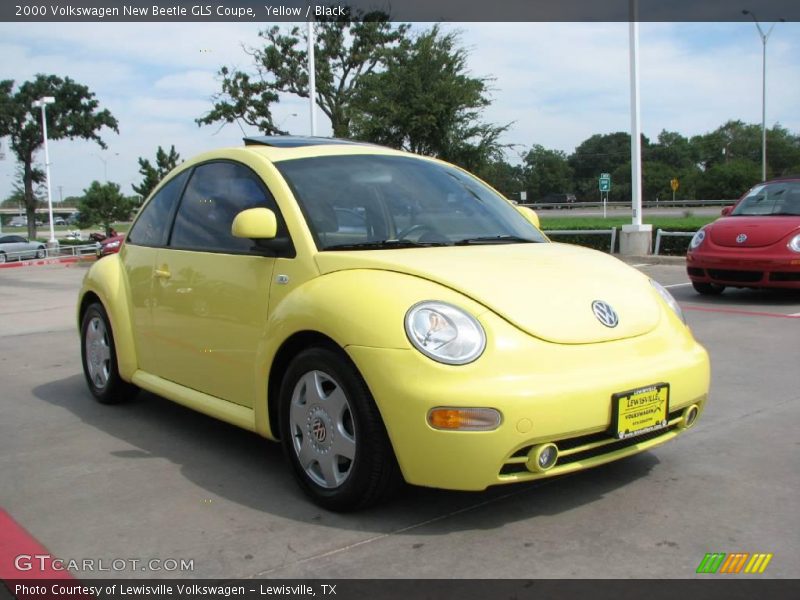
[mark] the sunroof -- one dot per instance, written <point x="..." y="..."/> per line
<point x="294" y="141"/>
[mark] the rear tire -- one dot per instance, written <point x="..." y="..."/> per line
<point x="333" y="434"/>
<point x="2" y="257"/>
<point x="99" y="357"/>
<point x="40" y="252"/>
<point x="708" y="289"/>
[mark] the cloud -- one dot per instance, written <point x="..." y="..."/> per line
<point x="558" y="83"/>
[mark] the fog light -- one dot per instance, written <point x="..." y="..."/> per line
<point x="690" y="416"/>
<point x="542" y="458"/>
<point x="464" y="419"/>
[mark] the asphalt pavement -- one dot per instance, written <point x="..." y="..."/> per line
<point x="153" y="480"/>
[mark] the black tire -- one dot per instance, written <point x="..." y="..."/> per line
<point x="2" y="257"/>
<point x="40" y="252"/>
<point x="99" y="358"/>
<point x="708" y="289"/>
<point x="314" y="424"/>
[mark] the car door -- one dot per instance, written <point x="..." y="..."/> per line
<point x="211" y="296"/>
<point x="148" y="233"/>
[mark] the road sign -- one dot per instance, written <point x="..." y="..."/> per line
<point x="605" y="182"/>
<point x="674" y="184"/>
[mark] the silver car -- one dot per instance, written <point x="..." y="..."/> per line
<point x="16" y="247"/>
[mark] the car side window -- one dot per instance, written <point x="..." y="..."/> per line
<point x="215" y="194"/>
<point x="152" y="226"/>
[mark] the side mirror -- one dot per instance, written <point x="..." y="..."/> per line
<point x="255" y="224"/>
<point x="726" y="210"/>
<point x="529" y="214"/>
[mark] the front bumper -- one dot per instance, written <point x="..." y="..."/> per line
<point x="546" y="393"/>
<point x="749" y="268"/>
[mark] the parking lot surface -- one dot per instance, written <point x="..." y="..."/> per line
<point x="152" y="480"/>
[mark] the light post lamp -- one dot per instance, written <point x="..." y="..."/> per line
<point x="105" y="166"/>
<point x="764" y="38"/>
<point x="42" y="103"/>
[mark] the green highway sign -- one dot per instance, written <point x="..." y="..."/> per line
<point x="605" y="182"/>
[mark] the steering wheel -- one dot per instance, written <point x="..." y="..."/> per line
<point x="422" y="227"/>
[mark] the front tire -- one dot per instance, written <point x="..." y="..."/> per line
<point x="708" y="289"/>
<point x="333" y="434"/>
<point x="99" y="358"/>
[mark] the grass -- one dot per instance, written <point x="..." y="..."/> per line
<point x="674" y="223"/>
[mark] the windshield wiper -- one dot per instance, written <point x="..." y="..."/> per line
<point x="385" y="244"/>
<point x="494" y="239"/>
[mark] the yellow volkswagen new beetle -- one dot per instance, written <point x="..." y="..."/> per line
<point x="388" y="317"/>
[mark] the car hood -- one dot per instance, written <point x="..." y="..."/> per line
<point x="544" y="289"/>
<point x="760" y="231"/>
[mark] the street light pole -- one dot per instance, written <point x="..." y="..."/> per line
<point x="764" y="38"/>
<point x="312" y="78"/>
<point x="42" y="103"/>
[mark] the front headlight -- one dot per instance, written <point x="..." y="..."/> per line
<point x="794" y="243"/>
<point x="113" y="245"/>
<point x="445" y="333"/>
<point x="668" y="298"/>
<point x="697" y="239"/>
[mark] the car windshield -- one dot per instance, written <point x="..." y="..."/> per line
<point x="778" y="198"/>
<point x="367" y="202"/>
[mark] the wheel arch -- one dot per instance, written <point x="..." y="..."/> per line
<point x="290" y="348"/>
<point x="105" y="283"/>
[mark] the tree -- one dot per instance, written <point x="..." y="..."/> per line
<point x="546" y="171"/>
<point x="506" y="178"/>
<point x="74" y="114"/>
<point x="346" y="48"/>
<point x="165" y="162"/>
<point x="728" y="180"/>
<point x="103" y="204"/>
<point x="426" y="102"/>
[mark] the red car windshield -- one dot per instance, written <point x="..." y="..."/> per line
<point x="776" y="198"/>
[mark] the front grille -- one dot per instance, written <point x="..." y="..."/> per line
<point x="784" y="276"/>
<point x="597" y="444"/>
<point x="696" y="272"/>
<point x="738" y="276"/>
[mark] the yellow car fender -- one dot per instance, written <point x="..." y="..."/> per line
<point x="106" y="280"/>
<point x="377" y="303"/>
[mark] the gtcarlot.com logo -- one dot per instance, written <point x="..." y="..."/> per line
<point x="732" y="564"/>
<point x="46" y="562"/>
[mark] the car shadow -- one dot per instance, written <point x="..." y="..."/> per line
<point x="248" y="470"/>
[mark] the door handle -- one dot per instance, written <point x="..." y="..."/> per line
<point x="162" y="273"/>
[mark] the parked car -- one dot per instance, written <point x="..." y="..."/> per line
<point x="16" y="247"/>
<point x="18" y="222"/>
<point x="59" y="221"/>
<point x="756" y="243"/>
<point x="110" y="245"/>
<point x="447" y="342"/>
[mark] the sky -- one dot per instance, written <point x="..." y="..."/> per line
<point x="556" y="83"/>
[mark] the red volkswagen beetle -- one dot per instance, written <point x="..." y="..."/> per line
<point x="756" y="243"/>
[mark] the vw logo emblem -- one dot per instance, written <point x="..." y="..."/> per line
<point x="741" y="238"/>
<point x="604" y="313"/>
<point x="318" y="429"/>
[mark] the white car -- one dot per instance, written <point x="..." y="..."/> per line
<point x="16" y="247"/>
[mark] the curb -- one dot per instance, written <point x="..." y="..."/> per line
<point x="61" y="260"/>
<point x="654" y="260"/>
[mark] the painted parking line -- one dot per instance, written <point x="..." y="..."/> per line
<point x="735" y="311"/>
<point x="20" y="554"/>
<point x="672" y="285"/>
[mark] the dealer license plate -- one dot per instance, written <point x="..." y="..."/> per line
<point x="640" y="411"/>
